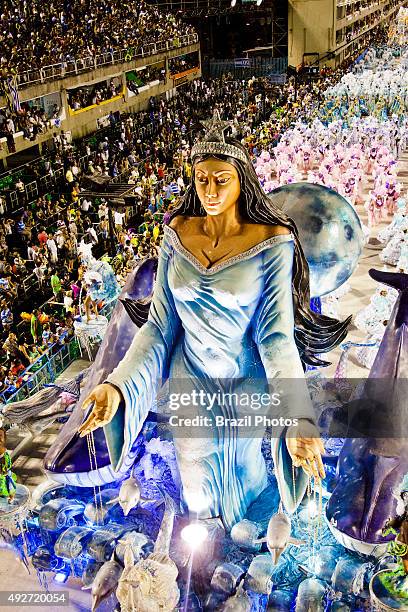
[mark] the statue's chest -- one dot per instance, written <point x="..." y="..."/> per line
<point x="233" y="285"/>
<point x="209" y="254"/>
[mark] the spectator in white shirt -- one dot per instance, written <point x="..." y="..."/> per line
<point x="68" y="301"/>
<point x="52" y="247"/>
<point x="75" y="170"/>
<point x="103" y="211"/>
<point x="180" y="184"/>
<point x="118" y="218"/>
<point x="10" y="125"/>
<point x="59" y="239"/>
<point x="73" y="230"/>
<point x="20" y="186"/>
<point x="92" y="234"/>
<point x="40" y="271"/>
<point x="85" y="204"/>
<point x="31" y="252"/>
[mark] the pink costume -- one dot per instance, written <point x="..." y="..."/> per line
<point x="307" y="159"/>
<point x="393" y="191"/>
<point x="374" y="207"/>
<point x="371" y="161"/>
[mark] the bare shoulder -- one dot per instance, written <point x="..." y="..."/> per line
<point x="278" y="230"/>
<point x="177" y="222"/>
<point x="269" y="231"/>
<point x="183" y="224"/>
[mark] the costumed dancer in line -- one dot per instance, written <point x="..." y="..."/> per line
<point x="231" y="305"/>
<point x="380" y="308"/>
<point x="374" y="206"/>
<point x="373" y="321"/>
<point x="393" y="192"/>
<point x="392" y="252"/>
<point x="402" y="263"/>
<point x="399" y="222"/>
<point x="331" y="301"/>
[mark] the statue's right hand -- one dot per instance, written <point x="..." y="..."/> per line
<point x="106" y="399"/>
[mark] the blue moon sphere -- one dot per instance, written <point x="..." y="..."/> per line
<point x="329" y="231"/>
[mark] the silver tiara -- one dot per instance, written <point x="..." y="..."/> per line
<point x="214" y="143"/>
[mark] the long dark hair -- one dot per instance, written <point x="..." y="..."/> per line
<point x="314" y="333"/>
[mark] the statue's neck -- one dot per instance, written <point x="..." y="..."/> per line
<point x="226" y="224"/>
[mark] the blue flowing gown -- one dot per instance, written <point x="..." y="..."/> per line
<point x="231" y="322"/>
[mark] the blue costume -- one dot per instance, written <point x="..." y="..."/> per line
<point x="232" y="321"/>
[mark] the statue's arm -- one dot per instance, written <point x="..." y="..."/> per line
<point x="274" y="328"/>
<point x="138" y="376"/>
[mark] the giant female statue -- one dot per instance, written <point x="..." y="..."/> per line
<point x="231" y="303"/>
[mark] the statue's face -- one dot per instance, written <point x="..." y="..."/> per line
<point x="217" y="185"/>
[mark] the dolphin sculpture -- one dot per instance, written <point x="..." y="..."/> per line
<point x="278" y="535"/>
<point x="130" y="495"/>
<point x="105" y="582"/>
<point x="373" y="464"/>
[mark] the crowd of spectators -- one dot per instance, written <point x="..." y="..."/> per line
<point x="30" y="120"/>
<point x="94" y="94"/>
<point x="51" y="232"/>
<point x="49" y="257"/>
<point x="36" y="33"/>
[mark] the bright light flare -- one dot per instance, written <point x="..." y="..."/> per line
<point x="194" y="535"/>
<point x="60" y="577"/>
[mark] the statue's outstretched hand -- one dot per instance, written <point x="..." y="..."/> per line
<point x="305" y="448"/>
<point x="106" y="400"/>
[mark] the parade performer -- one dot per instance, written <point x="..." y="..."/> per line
<point x="98" y="279"/>
<point x="231" y="303"/>
<point x="392" y="252"/>
<point x="374" y="206"/>
<point x="402" y="263"/>
<point x="393" y="193"/>
<point x="399" y="222"/>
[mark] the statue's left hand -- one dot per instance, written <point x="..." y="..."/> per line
<point x="305" y="448"/>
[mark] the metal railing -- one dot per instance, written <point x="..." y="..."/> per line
<point x="29" y="285"/>
<point x="86" y="64"/>
<point x="44" y="184"/>
<point x="45" y="370"/>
